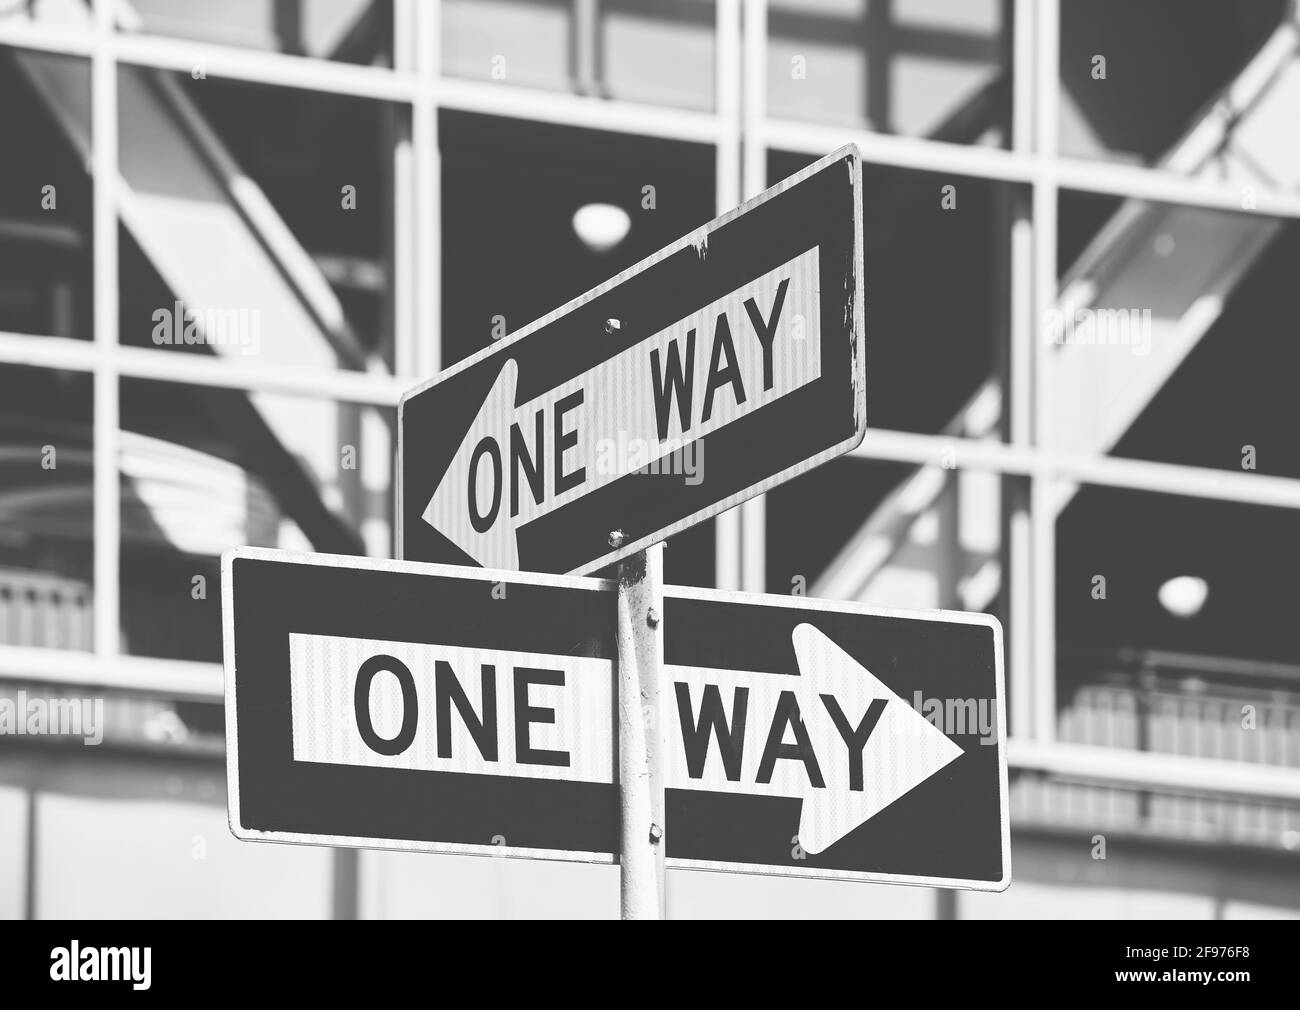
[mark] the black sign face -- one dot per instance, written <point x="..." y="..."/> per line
<point x="721" y="366"/>
<point x="816" y="738"/>
<point x="397" y="705"/>
<point x="418" y="707"/>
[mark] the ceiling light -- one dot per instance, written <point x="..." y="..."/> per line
<point x="1184" y="595"/>
<point x="601" y="226"/>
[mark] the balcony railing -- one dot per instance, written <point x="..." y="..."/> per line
<point x="1165" y="703"/>
<point x="44" y="610"/>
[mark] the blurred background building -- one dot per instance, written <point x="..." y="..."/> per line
<point x="358" y="193"/>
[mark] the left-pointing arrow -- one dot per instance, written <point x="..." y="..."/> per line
<point x="732" y="357"/>
<point x="471" y="505"/>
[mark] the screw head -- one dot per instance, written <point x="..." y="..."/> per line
<point x="613" y="325"/>
<point x="656" y="834"/>
<point x="617" y="538"/>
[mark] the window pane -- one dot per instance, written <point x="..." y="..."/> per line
<point x="256" y="222"/>
<point x="513" y="248"/>
<point x="891" y="534"/>
<point x="208" y="469"/>
<point x="652" y="51"/>
<point x="46" y="508"/>
<point x="1131" y="91"/>
<point x="937" y="295"/>
<point x="350" y="31"/>
<point x="1175" y="635"/>
<point x="46" y="219"/>
<point x="921" y="68"/>
<point x="1167" y="341"/>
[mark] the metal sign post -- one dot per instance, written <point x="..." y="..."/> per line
<point x="640" y="732"/>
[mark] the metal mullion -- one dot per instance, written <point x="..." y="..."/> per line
<point x="753" y="513"/>
<point x="897" y="151"/>
<point x="1105" y="471"/>
<point x="1154" y="770"/>
<point x="382" y="83"/>
<point x="107" y="490"/>
<point x="1018" y="396"/>
<point x="68" y="354"/>
<point x="403" y="227"/>
<point x="172" y="678"/>
<point x="729" y="69"/>
<point x="49" y="40"/>
<point x="1019" y="391"/>
<point x="428" y="189"/>
<point x="1100" y="177"/>
<point x="277" y="69"/>
<point x="1042" y="516"/>
<point x="727" y="104"/>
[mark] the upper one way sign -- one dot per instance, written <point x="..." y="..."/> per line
<point x="724" y="364"/>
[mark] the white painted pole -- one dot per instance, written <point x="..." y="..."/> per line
<point x="640" y="732"/>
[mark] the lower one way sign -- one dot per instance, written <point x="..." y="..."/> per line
<point x="398" y="705"/>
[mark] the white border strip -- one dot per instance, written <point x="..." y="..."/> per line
<point x="33" y="351"/>
<point x="1177" y="773"/>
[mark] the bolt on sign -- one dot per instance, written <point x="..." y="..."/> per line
<point x="721" y="366"/>
<point x="453" y="709"/>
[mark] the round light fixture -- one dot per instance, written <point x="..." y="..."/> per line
<point x="1184" y="595"/>
<point x="601" y="226"/>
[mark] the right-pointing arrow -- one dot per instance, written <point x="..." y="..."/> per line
<point x="901" y="751"/>
<point x="834" y="736"/>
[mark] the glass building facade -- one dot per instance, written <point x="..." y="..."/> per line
<point x="232" y="235"/>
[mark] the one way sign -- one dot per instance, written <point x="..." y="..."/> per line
<point x="454" y="709"/>
<point x="877" y="738"/>
<point x="726" y="363"/>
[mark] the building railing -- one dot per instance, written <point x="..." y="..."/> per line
<point x="1197" y="707"/>
<point x="45" y="610"/>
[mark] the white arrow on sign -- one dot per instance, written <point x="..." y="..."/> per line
<point x="519" y="462"/>
<point x="833" y="735"/>
<point x="836" y="737"/>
